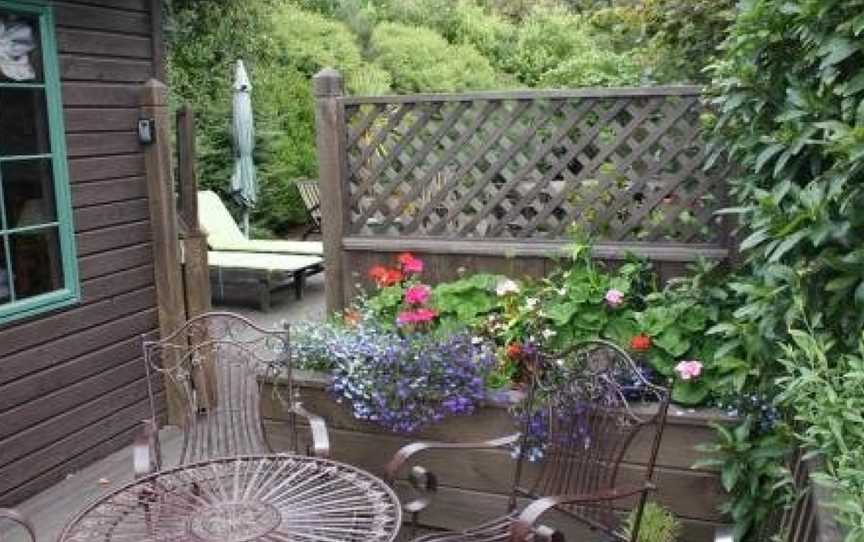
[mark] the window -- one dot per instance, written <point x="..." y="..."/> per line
<point x="38" y="271"/>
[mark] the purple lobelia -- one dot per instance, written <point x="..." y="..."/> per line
<point x="405" y="383"/>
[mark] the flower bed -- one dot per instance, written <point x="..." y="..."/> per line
<point x="474" y="483"/>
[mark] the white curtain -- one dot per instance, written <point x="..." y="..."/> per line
<point x="16" y="44"/>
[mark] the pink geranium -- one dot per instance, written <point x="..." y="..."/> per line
<point x="689" y="370"/>
<point x="410" y="264"/>
<point x="614" y="298"/>
<point x="418" y="294"/>
<point x="418" y="316"/>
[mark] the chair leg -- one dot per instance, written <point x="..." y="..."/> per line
<point x="299" y="284"/>
<point x="264" y="300"/>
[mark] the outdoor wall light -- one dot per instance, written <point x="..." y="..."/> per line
<point x="146" y="131"/>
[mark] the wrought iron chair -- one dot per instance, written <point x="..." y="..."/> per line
<point x="583" y="402"/>
<point x="216" y="366"/>
<point x="10" y="514"/>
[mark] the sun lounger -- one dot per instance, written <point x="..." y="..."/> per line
<point x="265" y="274"/>
<point x="224" y="235"/>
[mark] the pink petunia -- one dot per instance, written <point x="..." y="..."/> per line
<point x="418" y="294"/>
<point x="614" y="298"/>
<point x="689" y="370"/>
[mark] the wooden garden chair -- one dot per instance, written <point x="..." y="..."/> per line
<point x="216" y="366"/>
<point x="311" y="195"/>
<point x="591" y="425"/>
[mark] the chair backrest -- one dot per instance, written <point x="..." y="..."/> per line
<point x="216" y="365"/>
<point x="311" y="195"/>
<point x="216" y="221"/>
<point x="584" y="407"/>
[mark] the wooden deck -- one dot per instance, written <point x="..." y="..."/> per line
<point x="54" y="507"/>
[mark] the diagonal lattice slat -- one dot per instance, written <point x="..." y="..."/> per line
<point x="625" y="168"/>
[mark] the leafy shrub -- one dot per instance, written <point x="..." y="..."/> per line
<point x="594" y="68"/>
<point x="825" y="391"/>
<point x="686" y="36"/>
<point x="789" y="89"/>
<point x="310" y="41"/>
<point x="555" y="48"/>
<point x="658" y="524"/>
<point x="420" y="60"/>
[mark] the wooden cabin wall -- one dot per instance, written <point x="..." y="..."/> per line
<point x="71" y="381"/>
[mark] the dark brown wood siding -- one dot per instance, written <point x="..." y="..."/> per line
<point x="71" y="381"/>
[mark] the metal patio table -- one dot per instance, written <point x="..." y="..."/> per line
<point x="276" y="497"/>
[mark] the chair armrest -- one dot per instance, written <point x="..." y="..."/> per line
<point x="145" y="450"/>
<point x="424" y="481"/>
<point x="318" y="427"/>
<point x="15" y="516"/>
<point x="524" y="525"/>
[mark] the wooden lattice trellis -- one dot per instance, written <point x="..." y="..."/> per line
<point x="620" y="167"/>
<point x="499" y="180"/>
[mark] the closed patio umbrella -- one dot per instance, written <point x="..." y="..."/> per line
<point x="244" y="186"/>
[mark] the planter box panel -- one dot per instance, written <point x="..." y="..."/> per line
<point x="684" y="430"/>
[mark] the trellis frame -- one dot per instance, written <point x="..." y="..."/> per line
<point x="494" y="180"/>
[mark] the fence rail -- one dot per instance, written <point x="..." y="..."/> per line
<point x="514" y="173"/>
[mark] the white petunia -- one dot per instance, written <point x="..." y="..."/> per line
<point x="505" y="287"/>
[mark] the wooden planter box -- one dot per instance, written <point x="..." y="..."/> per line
<point x="474" y="483"/>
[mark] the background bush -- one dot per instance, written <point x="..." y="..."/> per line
<point x="422" y="60"/>
<point x="406" y="46"/>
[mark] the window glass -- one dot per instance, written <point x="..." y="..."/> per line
<point x="28" y="192"/>
<point x="36" y="262"/>
<point x="37" y="268"/>
<point x="20" y="54"/>
<point x="5" y="291"/>
<point x="23" y="122"/>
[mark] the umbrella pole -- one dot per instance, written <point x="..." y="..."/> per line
<point x="246" y="223"/>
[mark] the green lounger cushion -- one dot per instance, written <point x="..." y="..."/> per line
<point x="261" y="261"/>
<point x="224" y="235"/>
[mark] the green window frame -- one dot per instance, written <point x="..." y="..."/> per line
<point x="12" y="308"/>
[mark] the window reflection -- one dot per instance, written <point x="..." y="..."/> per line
<point x="28" y="192"/>
<point x="5" y="292"/>
<point x="20" y="58"/>
<point x="23" y="122"/>
<point x="36" y="262"/>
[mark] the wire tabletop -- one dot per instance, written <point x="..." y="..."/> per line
<point x="276" y="497"/>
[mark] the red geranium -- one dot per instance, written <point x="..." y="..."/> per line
<point x="385" y="276"/>
<point x="514" y="350"/>
<point x="641" y="343"/>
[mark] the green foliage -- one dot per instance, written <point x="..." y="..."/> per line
<point x="789" y="96"/>
<point x="558" y="49"/>
<point x="421" y="60"/>
<point x="469" y="298"/>
<point x="309" y="41"/>
<point x="684" y="36"/>
<point x="751" y="470"/>
<point x="825" y="391"/>
<point x="205" y="40"/>
<point x="657" y="525"/>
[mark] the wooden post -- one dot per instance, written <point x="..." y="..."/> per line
<point x="196" y="272"/>
<point x="328" y="87"/>
<point x="195" y="269"/>
<point x="163" y="225"/>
